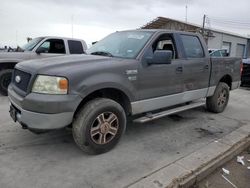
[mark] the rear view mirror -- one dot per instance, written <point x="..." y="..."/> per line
<point x="161" y="57"/>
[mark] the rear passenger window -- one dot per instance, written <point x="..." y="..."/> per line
<point x="75" y="47"/>
<point x="216" y="54"/>
<point x="192" y="46"/>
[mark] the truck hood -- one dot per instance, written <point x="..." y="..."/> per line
<point x="60" y="65"/>
<point x="14" y="56"/>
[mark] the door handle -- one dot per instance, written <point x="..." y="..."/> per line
<point x="179" y="69"/>
<point x="206" y="67"/>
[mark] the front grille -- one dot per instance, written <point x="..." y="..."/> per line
<point x="24" y="79"/>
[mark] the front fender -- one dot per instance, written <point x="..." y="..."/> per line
<point x="107" y="80"/>
<point x="9" y="64"/>
<point x="2" y="61"/>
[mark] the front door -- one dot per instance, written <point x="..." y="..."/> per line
<point x="51" y="48"/>
<point x="157" y="82"/>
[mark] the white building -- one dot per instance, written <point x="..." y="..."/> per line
<point x="236" y="45"/>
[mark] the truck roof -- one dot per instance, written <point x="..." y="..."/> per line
<point x="162" y="30"/>
<point x="67" y="38"/>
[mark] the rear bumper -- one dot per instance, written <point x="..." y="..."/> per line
<point x="235" y="85"/>
<point x="245" y="79"/>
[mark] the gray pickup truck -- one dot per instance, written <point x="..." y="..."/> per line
<point x="37" y="48"/>
<point x="139" y="74"/>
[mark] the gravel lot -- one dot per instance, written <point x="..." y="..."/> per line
<point x="52" y="159"/>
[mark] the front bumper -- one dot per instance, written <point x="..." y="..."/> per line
<point x="55" y="113"/>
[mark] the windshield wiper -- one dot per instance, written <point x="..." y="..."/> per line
<point x="103" y="53"/>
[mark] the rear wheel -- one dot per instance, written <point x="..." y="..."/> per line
<point x="5" y="79"/>
<point x="218" y="102"/>
<point x="99" y="125"/>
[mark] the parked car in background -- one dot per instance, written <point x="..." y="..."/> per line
<point x="41" y="47"/>
<point x="245" y="77"/>
<point x="140" y="74"/>
<point x="218" y="52"/>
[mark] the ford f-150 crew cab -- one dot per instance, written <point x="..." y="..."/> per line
<point x="140" y="74"/>
<point x="37" y="48"/>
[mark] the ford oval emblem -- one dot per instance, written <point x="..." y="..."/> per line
<point x="18" y="79"/>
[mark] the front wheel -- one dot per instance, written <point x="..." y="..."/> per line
<point x="99" y="125"/>
<point x="5" y="79"/>
<point x="218" y="102"/>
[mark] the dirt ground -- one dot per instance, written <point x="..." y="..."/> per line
<point x="52" y="160"/>
<point x="239" y="174"/>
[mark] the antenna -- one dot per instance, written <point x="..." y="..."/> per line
<point x="72" y="25"/>
<point x="16" y="37"/>
<point x="186" y="13"/>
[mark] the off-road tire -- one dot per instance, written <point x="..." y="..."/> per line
<point x="218" y="102"/>
<point x="85" y="118"/>
<point x="5" y="79"/>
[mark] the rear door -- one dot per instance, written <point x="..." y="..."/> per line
<point x="196" y="67"/>
<point x="75" y="47"/>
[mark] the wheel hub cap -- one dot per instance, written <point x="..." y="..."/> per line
<point x="104" y="128"/>
<point x="222" y="98"/>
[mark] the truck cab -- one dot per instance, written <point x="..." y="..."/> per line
<point x="38" y="48"/>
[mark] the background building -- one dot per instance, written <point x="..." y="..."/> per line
<point x="236" y="45"/>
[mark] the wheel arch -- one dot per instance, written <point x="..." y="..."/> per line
<point x="7" y="65"/>
<point x="227" y="79"/>
<point x="115" y="94"/>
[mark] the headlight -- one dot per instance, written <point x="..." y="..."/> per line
<point x="50" y="85"/>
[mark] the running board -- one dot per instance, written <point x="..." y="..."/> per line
<point x="150" y="116"/>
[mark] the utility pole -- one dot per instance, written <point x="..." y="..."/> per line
<point x="16" y="37"/>
<point x="203" y="25"/>
<point x="186" y="13"/>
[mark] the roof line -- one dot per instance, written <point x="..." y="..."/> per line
<point x="164" y="19"/>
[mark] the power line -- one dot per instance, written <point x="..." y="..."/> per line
<point x="228" y="23"/>
<point x="229" y="20"/>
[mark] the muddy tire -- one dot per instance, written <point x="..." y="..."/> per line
<point x="5" y="79"/>
<point x="99" y="125"/>
<point x="218" y="102"/>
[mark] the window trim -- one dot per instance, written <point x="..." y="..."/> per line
<point x="201" y="44"/>
<point x="68" y="42"/>
<point x="47" y="39"/>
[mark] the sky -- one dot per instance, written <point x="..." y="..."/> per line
<point x="93" y="20"/>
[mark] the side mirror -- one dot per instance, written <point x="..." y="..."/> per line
<point x="41" y="50"/>
<point x="161" y="57"/>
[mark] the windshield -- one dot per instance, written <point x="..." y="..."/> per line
<point x="125" y="44"/>
<point x="31" y="44"/>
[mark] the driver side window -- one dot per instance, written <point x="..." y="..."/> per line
<point x="53" y="46"/>
<point x="45" y="47"/>
<point x="165" y="42"/>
